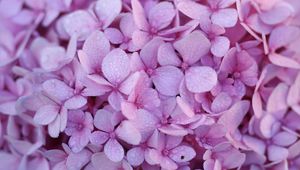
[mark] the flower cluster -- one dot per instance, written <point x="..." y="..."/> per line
<point x="149" y="84"/>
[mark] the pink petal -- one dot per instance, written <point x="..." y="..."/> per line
<point x="279" y="13"/>
<point x="167" y="80"/>
<point x="8" y="108"/>
<point x="284" y="139"/>
<point x="221" y="103"/>
<point x="52" y="58"/>
<point x="101" y="161"/>
<point x="185" y="107"/>
<point x="115" y="99"/>
<point x="167" y="163"/>
<point x="76" y="145"/>
<point x="276" y="153"/>
<point x="225" y="3"/>
<point x="54" y="127"/>
<point x="234" y="160"/>
<point x="135" y="156"/>
<point x="139" y="15"/>
<point x="129" y="84"/>
<point x="194" y="10"/>
<point x="149" y="98"/>
<point x="9" y="160"/>
<point x="167" y="55"/>
<point x="140" y="38"/>
<point x="94" y="49"/>
<point x="257" y="25"/>
<point x="102" y="120"/>
<point x="78" y="160"/>
<point x="145" y="122"/>
<point x="39" y="163"/>
<point x="75" y="102"/>
<point x="161" y="15"/>
<point x="10" y="8"/>
<point x="192" y="47"/>
<point x="294" y="150"/>
<point x="79" y="23"/>
<point x="182" y="154"/>
<point x="172" y="141"/>
<point x="128" y="110"/>
<point x="148" y="53"/>
<point x="277" y="99"/>
<point x="114" y="35"/>
<point x="46" y="114"/>
<point x="283" y="61"/>
<point x="233" y="117"/>
<point x="129" y="133"/>
<point x="294" y="91"/>
<point x="114" y="150"/>
<point x="173" y="130"/>
<point x="200" y="79"/>
<point x="127" y="25"/>
<point x="268" y="126"/>
<point x="57" y="90"/>
<point x="225" y="17"/>
<point x="98" y="138"/>
<point x="276" y="39"/>
<point x="115" y="66"/>
<point x="220" y="46"/>
<point x="107" y="11"/>
<point x="255" y="144"/>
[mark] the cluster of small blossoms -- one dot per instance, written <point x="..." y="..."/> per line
<point x="149" y="84"/>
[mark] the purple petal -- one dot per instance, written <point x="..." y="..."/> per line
<point x="46" y="114"/>
<point x="200" y="79"/>
<point x="135" y="156"/>
<point x="129" y="133"/>
<point x="233" y="117"/>
<point x="114" y="150"/>
<point x="103" y="120"/>
<point x="225" y="17"/>
<point x="182" y="154"/>
<point x="192" y="47"/>
<point x="94" y="49"/>
<point x="107" y="11"/>
<point x="115" y="66"/>
<point x="167" y="80"/>
<point x="161" y="15"/>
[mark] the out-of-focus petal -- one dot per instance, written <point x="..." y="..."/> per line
<point x="107" y="11"/>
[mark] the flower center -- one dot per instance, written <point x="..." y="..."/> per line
<point x="165" y="152"/>
<point x="153" y="31"/>
<point x="184" y="66"/>
<point x="79" y="126"/>
<point x="112" y="135"/>
<point x="236" y="75"/>
<point x="125" y="39"/>
<point x="150" y="71"/>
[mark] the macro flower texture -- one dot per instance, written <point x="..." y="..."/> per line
<point x="149" y="84"/>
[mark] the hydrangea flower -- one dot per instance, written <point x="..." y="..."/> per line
<point x="149" y="84"/>
<point x="79" y="127"/>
